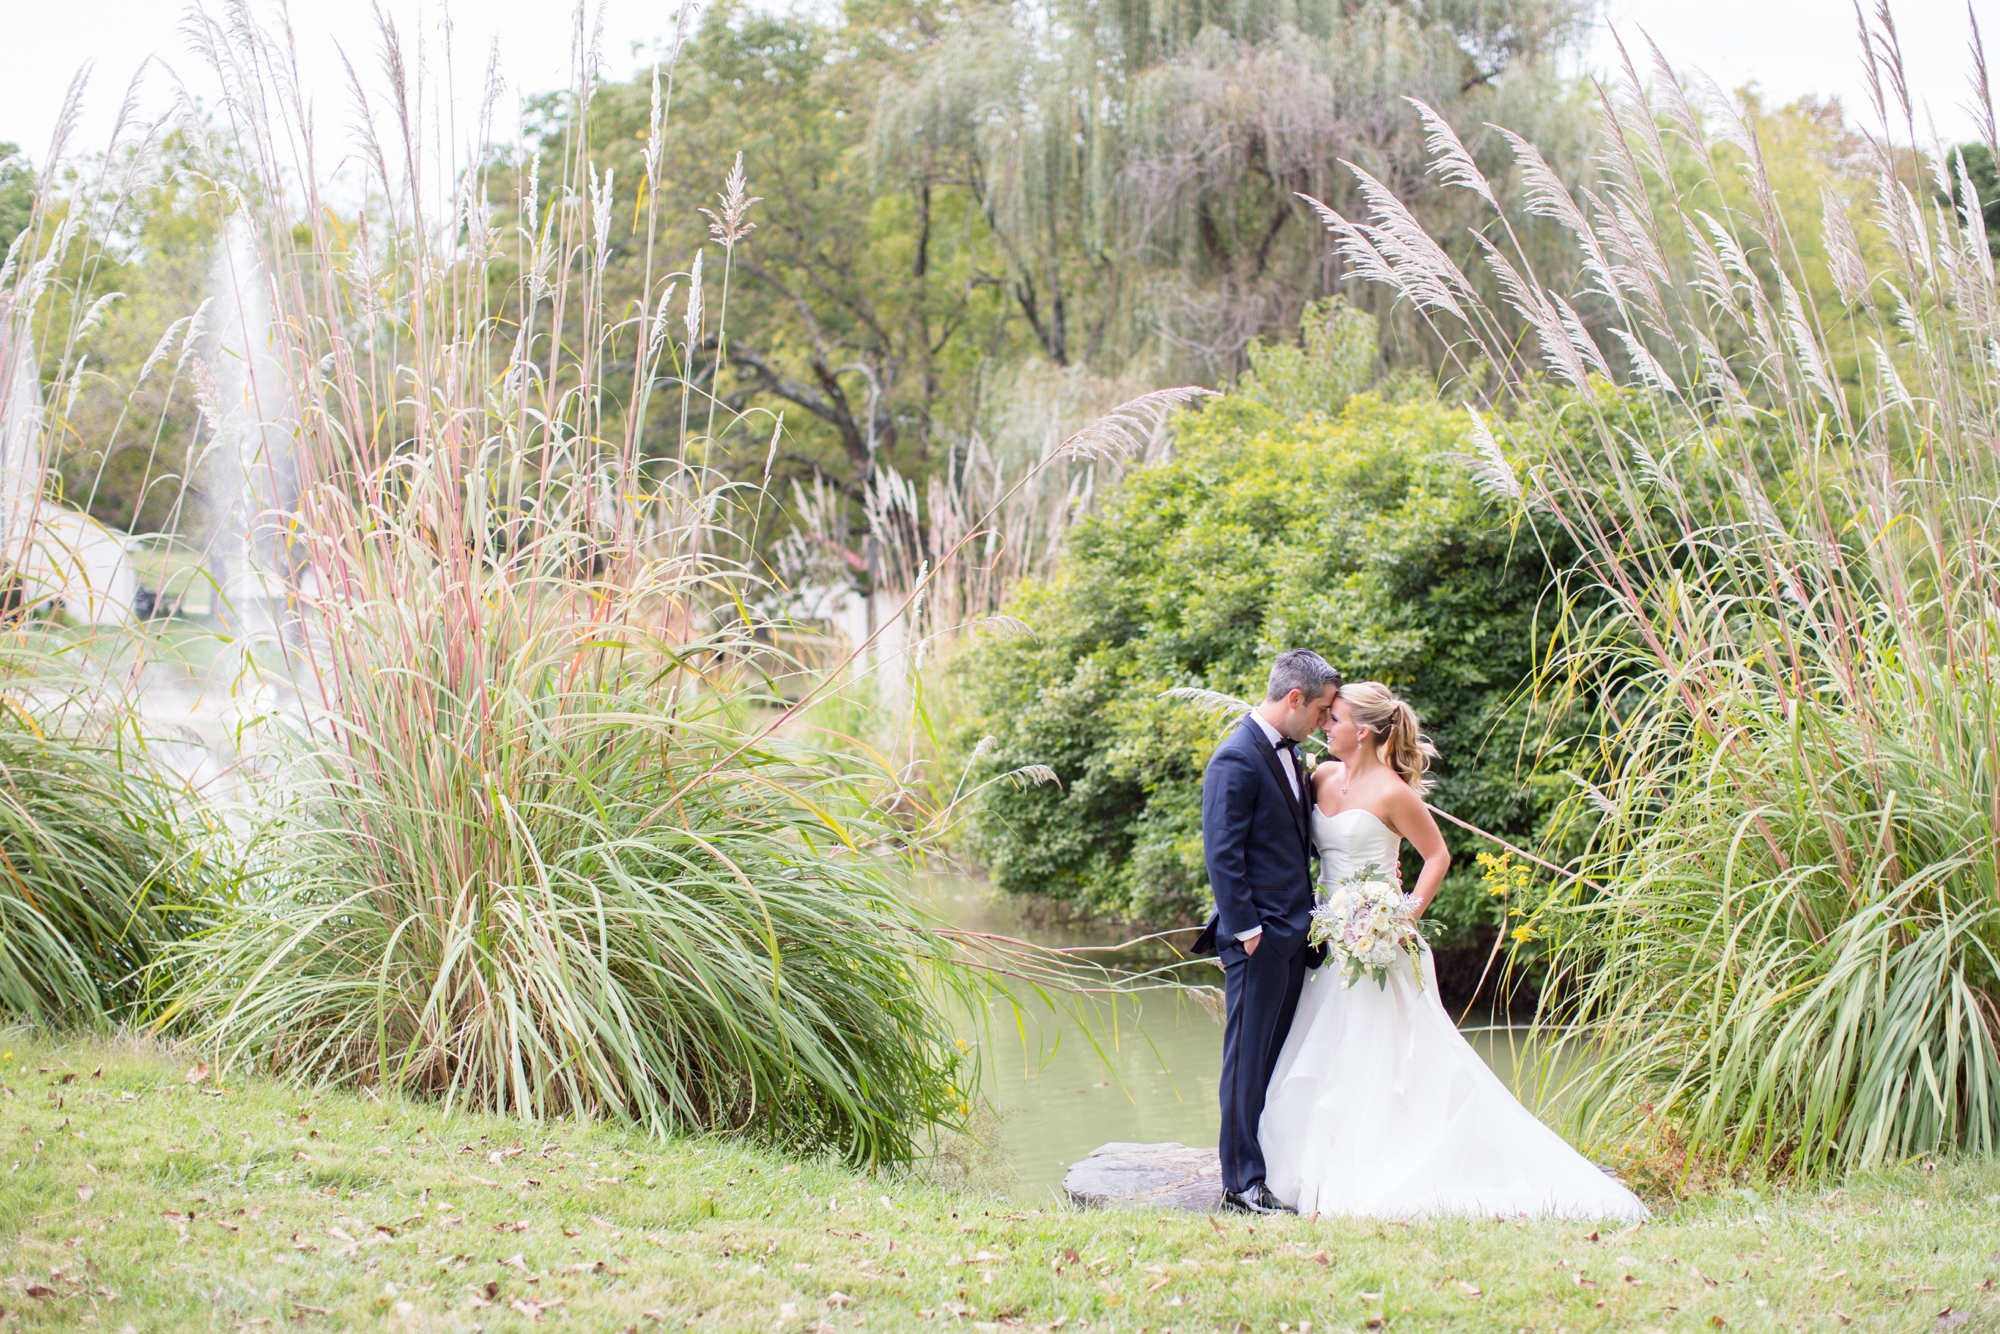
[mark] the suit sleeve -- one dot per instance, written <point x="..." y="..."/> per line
<point x="1228" y="804"/>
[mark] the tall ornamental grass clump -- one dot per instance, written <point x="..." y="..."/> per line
<point x="539" y="868"/>
<point x="98" y="871"/>
<point x="531" y="840"/>
<point x="1770" y="431"/>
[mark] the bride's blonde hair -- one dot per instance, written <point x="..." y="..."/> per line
<point x="1392" y="724"/>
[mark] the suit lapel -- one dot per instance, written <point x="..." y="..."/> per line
<point x="1277" y="764"/>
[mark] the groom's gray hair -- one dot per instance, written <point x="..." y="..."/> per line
<point x="1302" y="670"/>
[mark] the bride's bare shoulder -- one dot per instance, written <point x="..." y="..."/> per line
<point x="1327" y="771"/>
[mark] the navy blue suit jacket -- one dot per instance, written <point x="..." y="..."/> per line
<point x="1255" y="841"/>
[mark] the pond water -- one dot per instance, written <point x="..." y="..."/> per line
<point x="1144" y="1069"/>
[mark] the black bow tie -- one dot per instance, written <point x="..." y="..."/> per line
<point x="1286" y="743"/>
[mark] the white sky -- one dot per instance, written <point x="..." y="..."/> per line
<point x="1787" y="47"/>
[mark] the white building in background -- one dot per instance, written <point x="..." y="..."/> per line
<point x="68" y="557"/>
<point x="853" y="621"/>
<point x="20" y="428"/>
<point x="49" y="555"/>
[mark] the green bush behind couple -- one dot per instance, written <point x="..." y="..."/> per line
<point x="1290" y="513"/>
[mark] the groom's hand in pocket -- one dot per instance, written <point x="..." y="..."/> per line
<point x="1250" y="945"/>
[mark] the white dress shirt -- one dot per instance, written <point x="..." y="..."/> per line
<point x="1274" y="736"/>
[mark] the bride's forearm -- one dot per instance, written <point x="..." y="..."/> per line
<point x="1429" y="879"/>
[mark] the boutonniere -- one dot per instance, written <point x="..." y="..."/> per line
<point x="1311" y="762"/>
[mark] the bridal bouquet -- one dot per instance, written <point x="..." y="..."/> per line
<point x="1365" y="921"/>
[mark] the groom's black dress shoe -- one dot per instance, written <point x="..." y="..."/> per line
<point x="1256" y="1200"/>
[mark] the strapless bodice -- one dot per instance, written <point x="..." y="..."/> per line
<point x="1350" y="840"/>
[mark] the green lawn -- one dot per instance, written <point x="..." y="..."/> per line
<point x="136" y="1199"/>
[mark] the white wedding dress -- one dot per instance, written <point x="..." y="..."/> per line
<point x="1380" y="1108"/>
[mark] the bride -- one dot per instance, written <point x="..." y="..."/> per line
<point x="1379" y="1107"/>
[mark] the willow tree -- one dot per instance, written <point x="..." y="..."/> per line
<point x="1142" y="165"/>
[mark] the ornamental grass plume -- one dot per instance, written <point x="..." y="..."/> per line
<point x="528" y="842"/>
<point x="545" y="829"/>
<point x="1770" y="434"/>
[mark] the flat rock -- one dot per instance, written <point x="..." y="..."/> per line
<point x="1147" y="1176"/>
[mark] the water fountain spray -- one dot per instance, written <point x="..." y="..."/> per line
<point x="256" y="431"/>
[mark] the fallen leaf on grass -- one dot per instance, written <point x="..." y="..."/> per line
<point x="199" y="1073"/>
<point x="519" y="1225"/>
<point x="481" y="1181"/>
<point x="585" y="1267"/>
<point x="40" y="1290"/>
<point x="1321" y="1257"/>
<point x="84" y="1193"/>
<point x="838" y="1298"/>
<point x="517" y="1261"/>
<point x="1948" y="1317"/>
<point x="788" y="1311"/>
<point x="1470" y="1289"/>
<point x="533" y="1310"/>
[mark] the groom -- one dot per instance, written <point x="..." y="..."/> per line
<point x="1254" y="801"/>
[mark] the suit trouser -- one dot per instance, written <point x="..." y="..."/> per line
<point x="1262" y="993"/>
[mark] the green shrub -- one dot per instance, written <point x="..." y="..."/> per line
<point x="1355" y="533"/>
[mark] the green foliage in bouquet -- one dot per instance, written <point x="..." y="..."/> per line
<point x="1362" y="920"/>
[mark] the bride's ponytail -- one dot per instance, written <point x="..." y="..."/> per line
<point x="1393" y="728"/>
